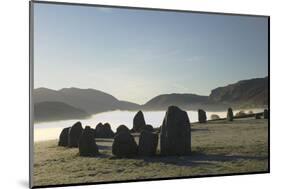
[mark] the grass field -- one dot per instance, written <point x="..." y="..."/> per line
<point x="218" y="147"/>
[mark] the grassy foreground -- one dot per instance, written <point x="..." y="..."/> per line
<point x="219" y="147"/>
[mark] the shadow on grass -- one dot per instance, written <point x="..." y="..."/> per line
<point x="197" y="129"/>
<point x="104" y="147"/>
<point x="200" y="159"/>
<point x="195" y="159"/>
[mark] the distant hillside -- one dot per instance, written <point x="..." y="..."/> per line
<point x="182" y="100"/>
<point x="89" y="100"/>
<point x="243" y="94"/>
<point x="51" y="111"/>
<point x="252" y="92"/>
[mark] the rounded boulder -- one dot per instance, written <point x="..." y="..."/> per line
<point x="124" y="145"/>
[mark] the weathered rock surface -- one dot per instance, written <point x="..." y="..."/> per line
<point x="87" y="144"/>
<point x="148" y="142"/>
<point x="74" y="134"/>
<point x="122" y="128"/>
<point x="265" y="114"/>
<point x="147" y="128"/>
<point x="175" y="135"/>
<point x="257" y="116"/>
<point x="124" y="145"/>
<point x="103" y="131"/>
<point x="202" y="118"/>
<point x="63" y="138"/>
<point x="138" y="121"/>
<point x="229" y="114"/>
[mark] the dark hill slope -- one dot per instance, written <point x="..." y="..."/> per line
<point x="51" y="111"/>
<point x="89" y="100"/>
<point x="182" y="100"/>
<point x="246" y="92"/>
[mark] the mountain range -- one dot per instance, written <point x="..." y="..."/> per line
<point x="70" y="103"/>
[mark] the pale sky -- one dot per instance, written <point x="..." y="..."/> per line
<point x="136" y="55"/>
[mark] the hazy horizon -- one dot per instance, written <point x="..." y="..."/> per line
<point x="133" y="101"/>
<point x="136" y="55"/>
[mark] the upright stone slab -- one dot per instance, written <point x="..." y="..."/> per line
<point x="63" y="138"/>
<point x="99" y="125"/>
<point x="104" y="131"/>
<point x="122" y="128"/>
<point x="147" y="128"/>
<point x="74" y="134"/>
<point x="87" y="144"/>
<point x="108" y="130"/>
<point x="93" y="131"/>
<point x="265" y="114"/>
<point x="257" y="116"/>
<point x="138" y="121"/>
<point x="202" y="118"/>
<point x="175" y="135"/>
<point x="229" y="114"/>
<point x="148" y="142"/>
<point x="124" y="145"/>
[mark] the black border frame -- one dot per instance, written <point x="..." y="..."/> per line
<point x="31" y="64"/>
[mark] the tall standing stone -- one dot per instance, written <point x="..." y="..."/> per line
<point x="175" y="135"/>
<point x="229" y="114"/>
<point x="202" y="118"/>
<point x="74" y="134"/>
<point x="87" y="144"/>
<point x="138" y="121"/>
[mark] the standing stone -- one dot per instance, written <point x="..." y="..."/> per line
<point x="202" y="118"/>
<point x="175" y="135"/>
<point x="93" y="131"/>
<point x="257" y="116"/>
<point x="124" y="145"/>
<point x="74" y="134"/>
<point x="148" y="142"/>
<point x="99" y="125"/>
<point x="63" y="139"/>
<point x="265" y="114"/>
<point x="147" y="128"/>
<point x="229" y="114"/>
<point x="98" y="129"/>
<point x="122" y="128"/>
<point x="108" y="130"/>
<point x="138" y="121"/>
<point x="103" y="131"/>
<point x="87" y="144"/>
